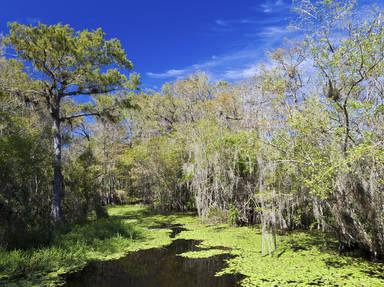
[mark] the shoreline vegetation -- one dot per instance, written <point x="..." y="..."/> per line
<point x="285" y="167"/>
<point x="301" y="258"/>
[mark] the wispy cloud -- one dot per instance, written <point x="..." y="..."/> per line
<point x="246" y="21"/>
<point x="274" y="31"/>
<point x="242" y="73"/>
<point x="220" y="22"/>
<point x="230" y="25"/>
<point x="172" y="73"/>
<point x="235" y="65"/>
<point x="217" y="66"/>
<point x="248" y="24"/>
<point x="273" y="6"/>
<point x="259" y="35"/>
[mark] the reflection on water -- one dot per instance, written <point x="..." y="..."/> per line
<point x="156" y="267"/>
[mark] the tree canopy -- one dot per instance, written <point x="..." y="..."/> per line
<point x="297" y="146"/>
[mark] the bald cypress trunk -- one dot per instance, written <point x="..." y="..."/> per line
<point x="57" y="178"/>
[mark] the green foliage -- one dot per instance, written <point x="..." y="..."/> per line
<point x="99" y="230"/>
<point x="102" y="239"/>
<point x="65" y="64"/>
<point x="233" y="215"/>
<point x="73" y="64"/>
<point x="302" y="259"/>
<point x="298" y="146"/>
<point x="24" y="177"/>
<point x="154" y="168"/>
<point x="59" y="49"/>
<point x="216" y="215"/>
<point x="313" y="254"/>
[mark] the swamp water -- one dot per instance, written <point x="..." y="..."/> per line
<point x="157" y="267"/>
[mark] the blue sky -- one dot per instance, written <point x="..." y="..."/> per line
<point x="169" y="39"/>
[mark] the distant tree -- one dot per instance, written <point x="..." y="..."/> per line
<point x="69" y="64"/>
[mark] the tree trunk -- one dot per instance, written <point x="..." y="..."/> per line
<point x="57" y="180"/>
<point x="347" y="128"/>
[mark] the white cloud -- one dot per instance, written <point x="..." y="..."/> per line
<point x="273" y="6"/>
<point x="266" y="8"/>
<point x="172" y="73"/>
<point x="239" y="74"/>
<point x="221" y="22"/>
<point x="273" y="31"/>
<point x="243" y="63"/>
<point x="217" y="66"/>
<point x="236" y="65"/>
<point x="244" y="21"/>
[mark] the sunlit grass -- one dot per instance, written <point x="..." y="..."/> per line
<point x="101" y="239"/>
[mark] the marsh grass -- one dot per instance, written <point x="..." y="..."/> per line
<point x="95" y="240"/>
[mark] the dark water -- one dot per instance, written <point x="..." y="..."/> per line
<point x="157" y="267"/>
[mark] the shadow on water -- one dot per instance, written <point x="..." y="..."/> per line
<point x="157" y="267"/>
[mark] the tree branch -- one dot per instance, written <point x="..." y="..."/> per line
<point x="79" y="116"/>
<point x="91" y="91"/>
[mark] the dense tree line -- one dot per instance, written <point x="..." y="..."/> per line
<point x="297" y="146"/>
<point x="56" y="152"/>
